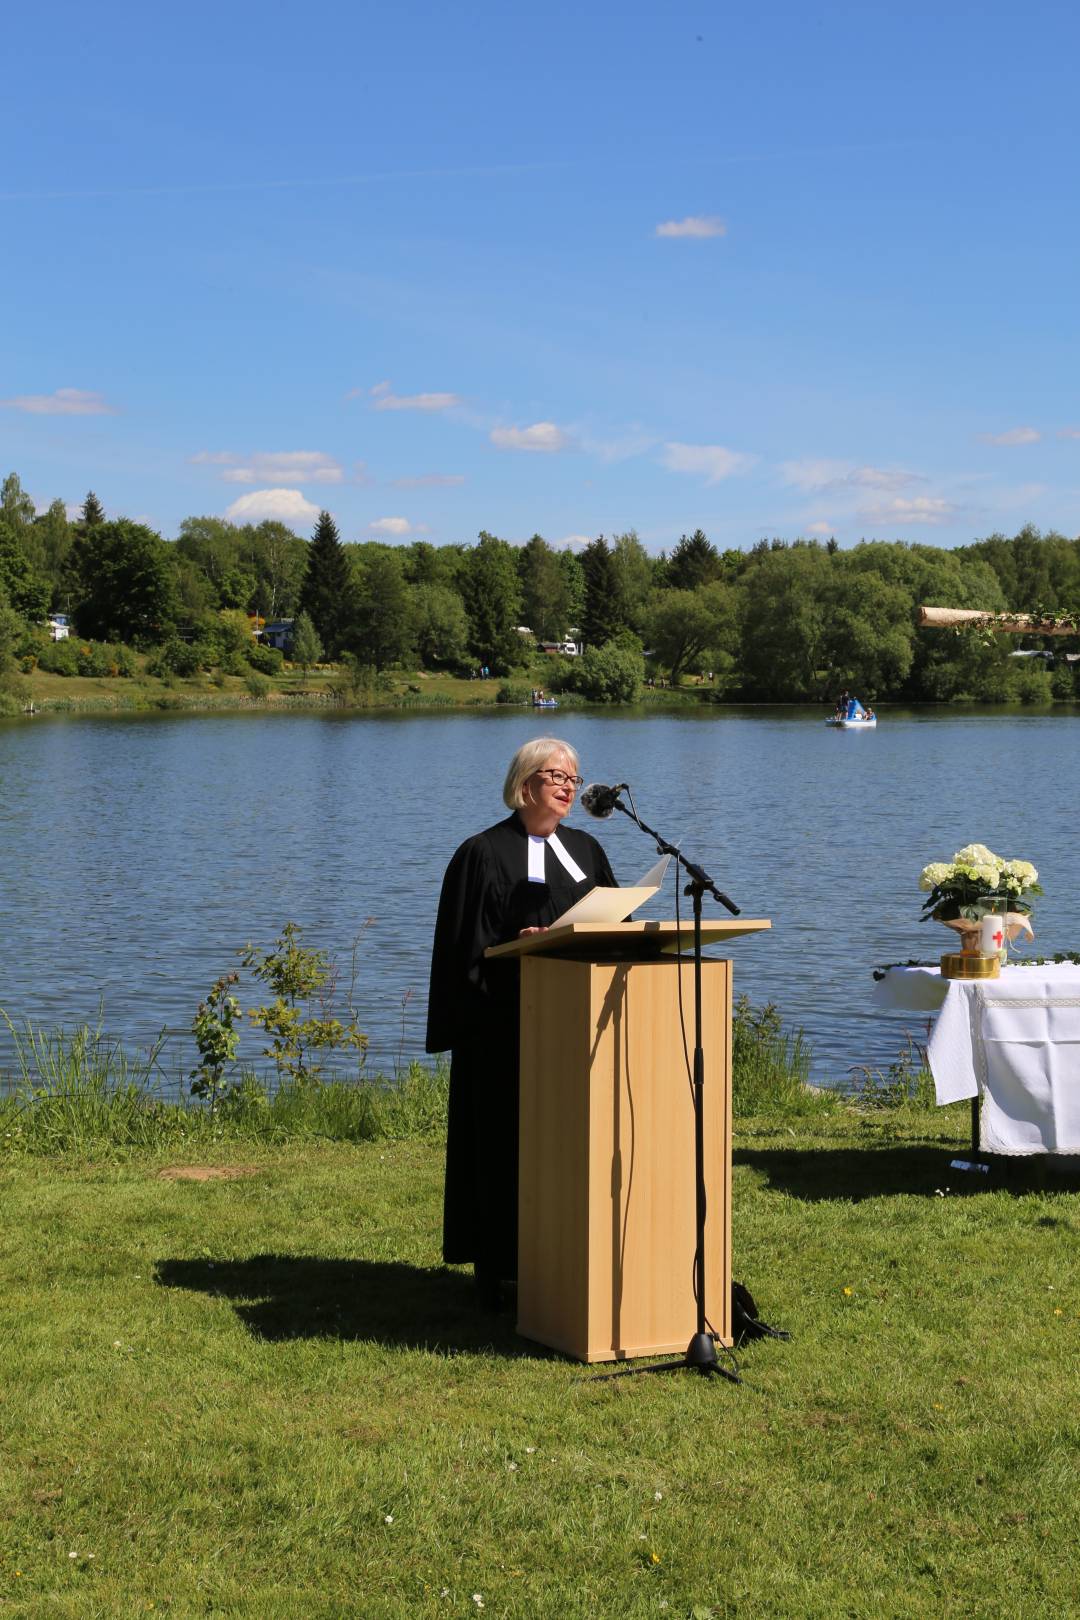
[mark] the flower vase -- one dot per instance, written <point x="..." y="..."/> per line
<point x="970" y="961"/>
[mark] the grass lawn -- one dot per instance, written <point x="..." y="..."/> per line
<point x="402" y="689"/>
<point x="263" y="1397"/>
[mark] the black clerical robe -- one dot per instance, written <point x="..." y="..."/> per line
<point x="488" y="898"/>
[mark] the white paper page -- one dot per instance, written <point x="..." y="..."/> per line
<point x="602" y="905"/>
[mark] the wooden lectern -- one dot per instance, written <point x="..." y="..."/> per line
<point x="607" y="1191"/>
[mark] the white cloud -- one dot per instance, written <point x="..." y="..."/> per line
<point x="710" y="461"/>
<point x="64" y="402"/>
<point x="542" y="436"/>
<point x="274" y="466"/>
<point x="386" y="401"/>
<point x="694" y="225"/>
<point x="634" y="442"/>
<point x="820" y="473"/>
<point x="821" y="528"/>
<point x="918" y="509"/>
<point x="572" y="542"/>
<point x="285" y="505"/>
<point x="390" y="525"/>
<point x="882" y="478"/>
<point x="1019" y="435"/>
<point x="430" y="481"/>
<point x="814" y="472"/>
<point x="1069" y="433"/>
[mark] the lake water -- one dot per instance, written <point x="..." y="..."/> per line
<point x="139" y="853"/>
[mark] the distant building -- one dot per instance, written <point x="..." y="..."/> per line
<point x="59" y="626"/>
<point x="278" y="633"/>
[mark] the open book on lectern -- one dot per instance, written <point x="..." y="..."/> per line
<point x="602" y="905"/>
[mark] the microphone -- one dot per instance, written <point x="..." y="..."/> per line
<point x="600" y="801"/>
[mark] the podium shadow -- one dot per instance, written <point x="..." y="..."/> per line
<point x="821" y="1175"/>
<point x="280" y="1297"/>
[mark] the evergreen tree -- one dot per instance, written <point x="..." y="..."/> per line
<point x="92" y="511"/>
<point x="695" y="561"/>
<point x="327" y="594"/>
<point x="602" y="617"/>
<point x="574" y="579"/>
<point x="545" y="600"/>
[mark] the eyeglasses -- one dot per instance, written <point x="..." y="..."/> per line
<point x="562" y="779"/>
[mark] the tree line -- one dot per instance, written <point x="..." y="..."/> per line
<point x="778" y="622"/>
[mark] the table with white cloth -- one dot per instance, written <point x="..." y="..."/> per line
<point x="1012" y="1043"/>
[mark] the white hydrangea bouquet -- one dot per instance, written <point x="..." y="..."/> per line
<point x="954" y="889"/>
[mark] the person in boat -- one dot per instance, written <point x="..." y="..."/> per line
<point x="513" y="879"/>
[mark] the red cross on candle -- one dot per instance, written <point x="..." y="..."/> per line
<point x="997" y="938"/>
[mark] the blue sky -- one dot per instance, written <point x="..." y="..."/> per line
<point x="766" y="271"/>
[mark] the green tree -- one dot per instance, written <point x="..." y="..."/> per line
<point x="307" y="649"/>
<point x="26" y="592"/>
<point x="382" y="632"/>
<point x="545" y="601"/>
<point x="782" y="624"/>
<point x="695" y="561"/>
<point x="16" y="507"/>
<point x="574" y="579"/>
<point x="214" y="548"/>
<point x="328" y="594"/>
<point x="612" y="673"/>
<point x="50" y="540"/>
<point x="12" y="629"/>
<point x="492" y="600"/>
<point x="125" y="583"/>
<point x="93" y="512"/>
<point x="300" y="1021"/>
<point x="868" y="631"/>
<point x="634" y="573"/>
<point x="279" y="560"/>
<point x="944" y="665"/>
<point x="441" y="626"/>
<point x="686" y="626"/>
<point x="602" y="618"/>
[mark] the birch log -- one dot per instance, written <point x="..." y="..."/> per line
<point x="1015" y="624"/>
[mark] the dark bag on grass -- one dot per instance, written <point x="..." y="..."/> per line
<point x="746" y="1324"/>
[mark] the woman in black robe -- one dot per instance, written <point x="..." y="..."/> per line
<point x="516" y="878"/>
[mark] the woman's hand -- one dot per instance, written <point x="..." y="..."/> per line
<point x="526" y="931"/>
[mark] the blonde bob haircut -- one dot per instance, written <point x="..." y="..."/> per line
<point x="527" y="761"/>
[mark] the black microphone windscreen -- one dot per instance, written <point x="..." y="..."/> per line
<point x="598" y="800"/>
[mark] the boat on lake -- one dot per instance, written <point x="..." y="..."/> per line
<point x="851" y="715"/>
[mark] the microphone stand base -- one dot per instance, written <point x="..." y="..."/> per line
<point x="700" y="1357"/>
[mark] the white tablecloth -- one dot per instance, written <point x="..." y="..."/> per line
<point x="1014" y="1040"/>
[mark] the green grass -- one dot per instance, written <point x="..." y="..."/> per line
<point x="420" y="689"/>
<point x="264" y="1397"/>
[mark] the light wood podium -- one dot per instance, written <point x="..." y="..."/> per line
<point x="607" y="1192"/>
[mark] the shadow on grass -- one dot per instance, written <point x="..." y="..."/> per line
<point x="920" y="1169"/>
<point x="283" y="1296"/>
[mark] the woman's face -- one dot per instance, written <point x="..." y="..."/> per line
<point x="544" y="794"/>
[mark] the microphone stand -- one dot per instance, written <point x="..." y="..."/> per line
<point x="700" y="1354"/>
